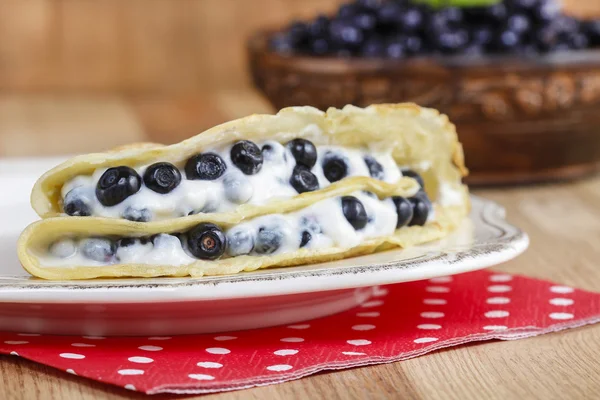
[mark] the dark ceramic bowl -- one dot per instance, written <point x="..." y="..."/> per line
<point x="519" y="119"/>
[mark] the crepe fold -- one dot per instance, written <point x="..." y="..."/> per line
<point x="418" y="137"/>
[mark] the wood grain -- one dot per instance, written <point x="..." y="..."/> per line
<point x="562" y="220"/>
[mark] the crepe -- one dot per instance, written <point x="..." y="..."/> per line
<point x="417" y="137"/>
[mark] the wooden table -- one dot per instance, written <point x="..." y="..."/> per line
<point x="563" y="221"/>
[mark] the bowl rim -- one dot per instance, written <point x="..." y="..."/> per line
<point x="257" y="46"/>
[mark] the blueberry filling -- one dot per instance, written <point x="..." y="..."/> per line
<point x="303" y="180"/>
<point x="268" y="240"/>
<point x="116" y="184"/>
<point x="420" y="211"/>
<point x="306" y="237"/>
<point x="335" y="168"/>
<point x="75" y="205"/>
<point x="136" y="215"/>
<point x="304" y="152"/>
<point x="375" y="168"/>
<point x="404" y="211"/>
<point x="207" y="241"/>
<point x="355" y="212"/>
<point x="162" y="177"/>
<point x="206" y="167"/>
<point x="247" y="157"/>
<point x="240" y="242"/>
<point x="98" y="249"/>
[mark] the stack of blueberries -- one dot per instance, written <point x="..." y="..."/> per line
<point x="398" y="29"/>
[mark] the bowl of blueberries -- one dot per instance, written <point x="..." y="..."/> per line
<point x="519" y="78"/>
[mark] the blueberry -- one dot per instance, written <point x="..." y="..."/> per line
<point x="304" y="151"/>
<point x="98" y="249"/>
<point x="452" y="41"/>
<point x="334" y="167"/>
<point x="268" y="240"/>
<point x="518" y="23"/>
<point x="412" y="174"/>
<point x="206" y="167"/>
<point x="374" y="47"/>
<point x="389" y="14"/>
<point x="306" y="237"/>
<point x="320" y="46"/>
<point x="303" y="180"/>
<point x="117" y="184"/>
<point x="445" y="19"/>
<point x="298" y="34"/>
<point x="420" y="209"/>
<point x="247" y="157"/>
<point x="125" y="242"/>
<point x="413" y="44"/>
<point x="592" y="29"/>
<point x="396" y="49"/>
<point x="346" y="35"/>
<point x="206" y="241"/>
<point x="482" y="36"/>
<point x="375" y="168"/>
<point x="240" y="242"/>
<point x="354" y="211"/>
<point x="63" y="248"/>
<point x="506" y="41"/>
<point x="281" y="43"/>
<point x="497" y="12"/>
<point x="404" y="210"/>
<point x="365" y="21"/>
<point x="133" y="214"/>
<point x="319" y="27"/>
<point x="162" y="177"/>
<point x="525" y="5"/>
<point x="411" y="20"/>
<point x="76" y="204"/>
<point x="577" y="40"/>
<point x="309" y="223"/>
<point x="547" y="11"/>
<point x="237" y="188"/>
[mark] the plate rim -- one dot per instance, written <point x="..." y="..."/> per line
<point x="512" y="242"/>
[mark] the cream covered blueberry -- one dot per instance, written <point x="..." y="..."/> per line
<point x="341" y="222"/>
<point x="223" y="178"/>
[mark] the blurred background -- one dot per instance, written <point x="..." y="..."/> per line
<point x="80" y="76"/>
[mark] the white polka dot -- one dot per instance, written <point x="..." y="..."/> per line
<point x="435" y="302"/>
<point x="501" y="278"/>
<point x="378" y="292"/>
<point x="74" y="356"/>
<point x="561" y="302"/>
<point x="82" y="345"/>
<point x="495" y="327"/>
<point x="285" y="352"/>
<point x="28" y="334"/>
<point x="437" y="289"/>
<point x="497" y="314"/>
<point x="130" y="372"/>
<point x="561" y="315"/>
<point x="70" y="371"/>
<point x="291" y="339"/>
<point x="363" y="327"/>
<point x="441" y="279"/>
<point x="432" y="314"/>
<point x="150" y="348"/>
<point x="429" y="326"/>
<point x="14" y="353"/>
<point x="201" y="377"/>
<point x="374" y="303"/>
<point x="368" y="314"/>
<point x="129" y="386"/>
<point x="209" y="364"/>
<point x="353" y="353"/>
<point x="425" y="340"/>
<point x="279" y="367"/>
<point x="498" y="300"/>
<point x="140" y="360"/>
<point x="16" y="342"/>
<point x="562" y="289"/>
<point x="224" y="338"/>
<point x="218" y="350"/>
<point x="302" y="326"/>
<point x="94" y="337"/>
<point x="160" y="338"/>
<point x="499" y="288"/>
<point x="358" y="342"/>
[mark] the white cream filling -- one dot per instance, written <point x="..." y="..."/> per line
<point x="334" y="230"/>
<point x="192" y="196"/>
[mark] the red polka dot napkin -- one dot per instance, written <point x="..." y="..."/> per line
<point x="398" y="322"/>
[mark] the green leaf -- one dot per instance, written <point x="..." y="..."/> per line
<point x="457" y="3"/>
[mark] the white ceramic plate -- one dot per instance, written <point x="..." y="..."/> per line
<point x="169" y="306"/>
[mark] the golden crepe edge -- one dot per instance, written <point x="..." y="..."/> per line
<point x="40" y="234"/>
<point x="416" y="135"/>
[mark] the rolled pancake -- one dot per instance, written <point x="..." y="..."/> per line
<point x="418" y="137"/>
<point x="36" y="239"/>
